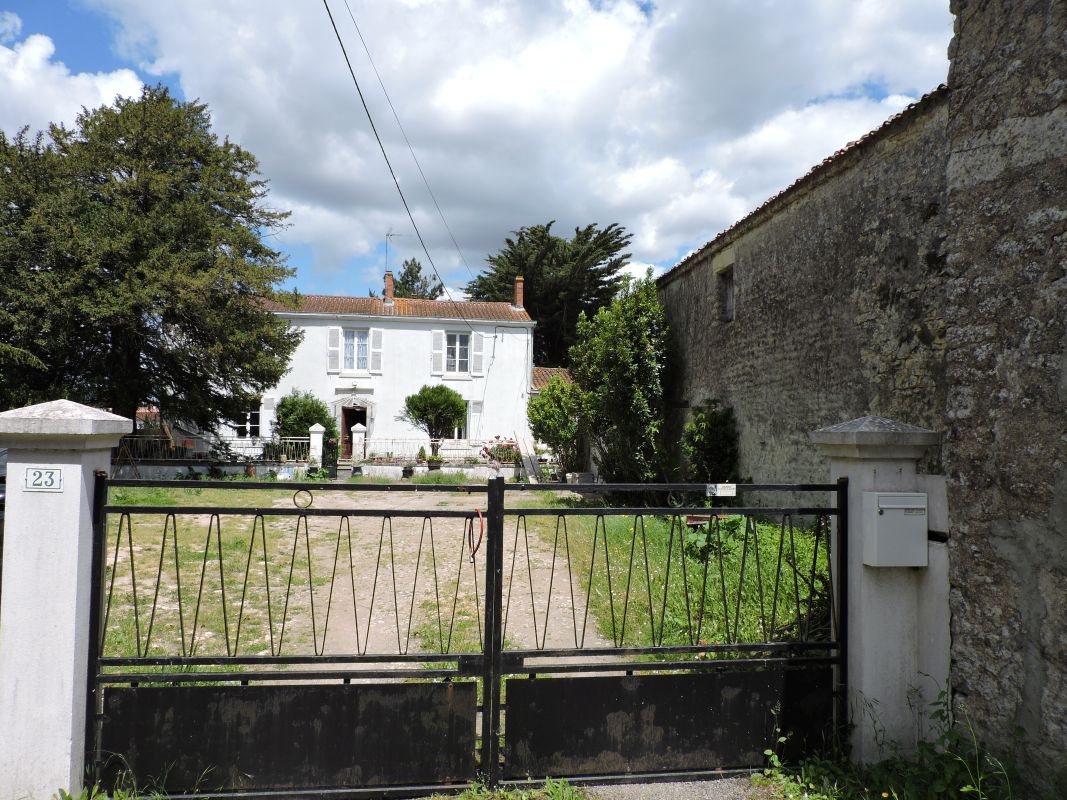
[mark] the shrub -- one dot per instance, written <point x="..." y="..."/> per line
<point x="556" y="419"/>
<point x="710" y="444"/>
<point x="503" y="450"/>
<point x="298" y="411"/>
<point x="435" y="410"/>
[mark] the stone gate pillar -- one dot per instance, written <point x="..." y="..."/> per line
<point x="898" y="616"/>
<point x="54" y="451"/>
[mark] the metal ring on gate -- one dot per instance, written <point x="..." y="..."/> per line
<point x="310" y="500"/>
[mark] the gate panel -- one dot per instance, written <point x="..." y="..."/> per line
<point x="617" y="725"/>
<point x="223" y="738"/>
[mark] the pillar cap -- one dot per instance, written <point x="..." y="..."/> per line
<point x="875" y="437"/>
<point x="61" y="423"/>
<point x="317" y="428"/>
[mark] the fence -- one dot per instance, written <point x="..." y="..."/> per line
<point x="138" y="448"/>
<point x="324" y="603"/>
<point x="465" y="451"/>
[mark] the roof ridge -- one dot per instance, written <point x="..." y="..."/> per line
<point x="872" y="135"/>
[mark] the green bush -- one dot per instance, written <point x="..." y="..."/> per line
<point x="556" y="419"/>
<point x="298" y="411"/>
<point x="434" y="410"/>
<point x="710" y="444"/>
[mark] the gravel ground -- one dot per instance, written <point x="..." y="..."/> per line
<point x="723" y="789"/>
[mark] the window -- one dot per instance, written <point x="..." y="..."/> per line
<point x="726" y="293"/>
<point x="356" y="348"/>
<point x="457" y="353"/>
<point x="248" y="425"/>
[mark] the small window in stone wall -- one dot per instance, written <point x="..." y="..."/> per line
<point x="727" y="293"/>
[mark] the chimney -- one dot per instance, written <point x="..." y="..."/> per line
<point x="518" y="291"/>
<point x="389" y="288"/>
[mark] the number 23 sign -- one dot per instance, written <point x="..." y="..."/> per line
<point x="44" y="479"/>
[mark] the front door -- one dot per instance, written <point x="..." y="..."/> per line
<point x="350" y="415"/>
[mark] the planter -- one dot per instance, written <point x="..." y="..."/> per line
<point x="433" y="465"/>
<point x="407" y="472"/>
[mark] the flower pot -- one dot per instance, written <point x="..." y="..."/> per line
<point x="407" y="472"/>
<point x="432" y="465"/>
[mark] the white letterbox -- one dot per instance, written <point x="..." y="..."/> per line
<point x="894" y="529"/>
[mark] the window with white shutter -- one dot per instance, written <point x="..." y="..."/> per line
<point x="333" y="350"/>
<point x="376" y="335"/>
<point x="437" y="360"/>
<point x="477" y="344"/>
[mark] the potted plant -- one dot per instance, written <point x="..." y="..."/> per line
<point x="422" y="455"/>
<point x="434" y="462"/>
<point x="407" y="470"/>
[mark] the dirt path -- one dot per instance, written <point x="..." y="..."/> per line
<point x="416" y="590"/>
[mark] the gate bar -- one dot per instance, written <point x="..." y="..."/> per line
<point x="842" y="605"/>
<point x="96" y="602"/>
<point x="493" y="647"/>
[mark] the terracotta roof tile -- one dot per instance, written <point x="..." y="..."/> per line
<point x="542" y="375"/>
<point x="405" y="307"/>
<point x="905" y="114"/>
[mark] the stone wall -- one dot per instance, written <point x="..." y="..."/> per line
<point x="833" y="314"/>
<point x="922" y="275"/>
<point x="1005" y="414"/>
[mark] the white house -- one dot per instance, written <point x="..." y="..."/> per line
<point x="363" y="355"/>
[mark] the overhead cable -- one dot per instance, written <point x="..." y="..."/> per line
<point x="389" y="164"/>
<point x="403" y="133"/>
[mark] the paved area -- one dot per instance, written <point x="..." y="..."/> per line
<point x="723" y="789"/>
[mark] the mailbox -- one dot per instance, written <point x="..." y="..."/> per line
<point x="894" y="529"/>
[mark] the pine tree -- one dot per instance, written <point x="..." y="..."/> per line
<point x="563" y="278"/>
<point x="412" y="283"/>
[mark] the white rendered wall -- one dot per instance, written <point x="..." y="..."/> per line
<point x="502" y="388"/>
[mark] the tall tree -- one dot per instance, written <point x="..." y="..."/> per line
<point x="132" y="266"/>
<point x="563" y="279"/>
<point x="412" y="283"/>
<point x="618" y="364"/>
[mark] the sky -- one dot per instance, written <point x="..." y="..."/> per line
<point x="672" y="118"/>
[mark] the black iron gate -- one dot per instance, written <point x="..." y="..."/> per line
<point x="248" y="648"/>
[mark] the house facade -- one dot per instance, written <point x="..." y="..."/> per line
<point x="363" y="356"/>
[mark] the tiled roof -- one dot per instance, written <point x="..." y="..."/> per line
<point x="542" y="375"/>
<point x="894" y="121"/>
<point x="404" y="307"/>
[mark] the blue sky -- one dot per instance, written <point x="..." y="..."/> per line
<point x="672" y="118"/>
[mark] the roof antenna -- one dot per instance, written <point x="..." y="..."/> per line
<point x="388" y="236"/>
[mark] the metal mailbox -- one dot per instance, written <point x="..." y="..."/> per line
<point x="894" y="529"/>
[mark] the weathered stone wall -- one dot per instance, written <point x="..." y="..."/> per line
<point x="922" y="275"/>
<point x="833" y="313"/>
<point x="1005" y="415"/>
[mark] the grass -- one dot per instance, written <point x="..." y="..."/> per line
<point x="650" y="581"/>
<point x="551" y="790"/>
<point x="202" y="550"/>
<point x="953" y="766"/>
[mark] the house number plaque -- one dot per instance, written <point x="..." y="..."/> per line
<point x="44" y="479"/>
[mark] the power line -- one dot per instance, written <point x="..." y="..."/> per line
<point x="403" y="133"/>
<point x="389" y="164"/>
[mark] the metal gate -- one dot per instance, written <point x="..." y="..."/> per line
<point x="312" y="647"/>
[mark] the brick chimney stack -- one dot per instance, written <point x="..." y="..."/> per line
<point x="389" y="287"/>
<point x="518" y="291"/>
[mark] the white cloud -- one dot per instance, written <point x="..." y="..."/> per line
<point x="10" y="26"/>
<point x="39" y="90"/>
<point x="672" y="123"/>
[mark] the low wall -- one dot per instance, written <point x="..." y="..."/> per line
<point x="475" y="472"/>
<point x="169" y="471"/>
